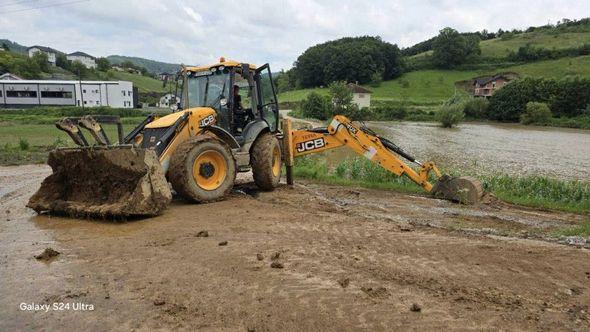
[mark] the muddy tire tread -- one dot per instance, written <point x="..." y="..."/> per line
<point x="180" y="179"/>
<point x="260" y="156"/>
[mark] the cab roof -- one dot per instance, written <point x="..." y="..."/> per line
<point x="222" y="62"/>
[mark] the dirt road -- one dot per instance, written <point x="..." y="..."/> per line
<point x="351" y="259"/>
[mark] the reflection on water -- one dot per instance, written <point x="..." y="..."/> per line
<point x="506" y="148"/>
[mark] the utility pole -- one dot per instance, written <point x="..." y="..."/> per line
<point x="81" y="91"/>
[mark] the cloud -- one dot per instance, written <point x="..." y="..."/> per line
<point x="258" y="31"/>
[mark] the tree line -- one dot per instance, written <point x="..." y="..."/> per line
<point x="352" y="59"/>
<point x="529" y="53"/>
<point x="565" y="98"/>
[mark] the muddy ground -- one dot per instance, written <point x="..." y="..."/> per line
<point x="351" y="259"/>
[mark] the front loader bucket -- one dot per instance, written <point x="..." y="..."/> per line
<point x="465" y="189"/>
<point x="115" y="182"/>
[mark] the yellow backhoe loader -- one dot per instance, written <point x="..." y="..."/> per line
<point x="227" y="121"/>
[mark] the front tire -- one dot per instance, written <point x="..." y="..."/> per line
<point x="202" y="170"/>
<point x="266" y="162"/>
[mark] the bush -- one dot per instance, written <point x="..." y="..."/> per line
<point x="23" y="144"/>
<point x="389" y="112"/>
<point x="353" y="112"/>
<point x="538" y="113"/>
<point x="315" y="106"/>
<point x="476" y="108"/>
<point x="571" y="97"/>
<point x="450" y="114"/>
<point x="341" y="96"/>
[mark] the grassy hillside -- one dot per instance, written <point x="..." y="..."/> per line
<point x="421" y="87"/>
<point x="499" y="47"/>
<point x="151" y="65"/>
<point x="144" y="83"/>
<point x="434" y="86"/>
<point x="418" y="87"/>
<point x="560" y="68"/>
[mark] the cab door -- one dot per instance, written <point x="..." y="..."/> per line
<point x="268" y="106"/>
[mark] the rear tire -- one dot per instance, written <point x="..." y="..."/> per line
<point x="266" y="162"/>
<point x="202" y="169"/>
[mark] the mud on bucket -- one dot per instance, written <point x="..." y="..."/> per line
<point x="464" y="190"/>
<point x="103" y="182"/>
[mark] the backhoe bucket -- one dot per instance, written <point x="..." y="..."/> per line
<point x="104" y="182"/>
<point x="465" y="189"/>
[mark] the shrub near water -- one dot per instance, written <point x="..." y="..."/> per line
<point x="476" y="108"/>
<point x="537" y="113"/>
<point x="315" y="106"/>
<point x="450" y="115"/>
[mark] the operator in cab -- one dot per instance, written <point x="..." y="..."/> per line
<point x="240" y="115"/>
<point x="237" y="99"/>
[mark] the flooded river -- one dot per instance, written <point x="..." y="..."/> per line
<point x="506" y="148"/>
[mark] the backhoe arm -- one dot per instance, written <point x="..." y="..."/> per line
<point x="341" y="132"/>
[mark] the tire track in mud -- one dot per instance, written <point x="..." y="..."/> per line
<point x="372" y="311"/>
<point x="442" y="277"/>
<point x="17" y="185"/>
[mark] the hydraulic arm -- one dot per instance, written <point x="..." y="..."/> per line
<point x="341" y="132"/>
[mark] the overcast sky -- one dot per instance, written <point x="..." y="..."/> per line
<point x="198" y="32"/>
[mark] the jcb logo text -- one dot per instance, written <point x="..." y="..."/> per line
<point x="317" y="143"/>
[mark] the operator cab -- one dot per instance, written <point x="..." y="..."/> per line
<point x="240" y="94"/>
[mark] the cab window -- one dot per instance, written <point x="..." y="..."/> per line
<point x="244" y="91"/>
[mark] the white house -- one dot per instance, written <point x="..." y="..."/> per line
<point x="167" y="100"/>
<point x="164" y="76"/>
<point x="30" y="93"/>
<point x="51" y="53"/>
<point x="360" y="95"/>
<point x="86" y="59"/>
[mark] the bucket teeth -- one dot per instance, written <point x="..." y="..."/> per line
<point x="96" y="130"/>
<point x="73" y="131"/>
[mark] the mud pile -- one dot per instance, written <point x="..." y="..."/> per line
<point x="103" y="182"/>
